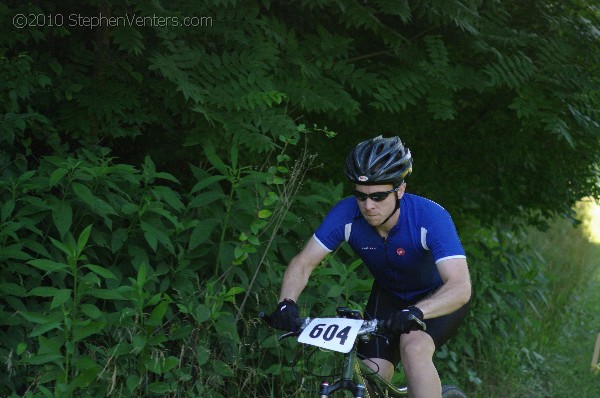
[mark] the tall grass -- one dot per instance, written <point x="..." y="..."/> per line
<point x="556" y="346"/>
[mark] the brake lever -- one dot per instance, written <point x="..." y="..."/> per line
<point x="381" y="336"/>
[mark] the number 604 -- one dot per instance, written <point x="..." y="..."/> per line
<point x="330" y="332"/>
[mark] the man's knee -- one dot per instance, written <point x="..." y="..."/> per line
<point x="381" y="366"/>
<point x="416" y="346"/>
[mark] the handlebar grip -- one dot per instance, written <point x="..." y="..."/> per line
<point x="422" y="326"/>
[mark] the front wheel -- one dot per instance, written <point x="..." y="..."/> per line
<point x="452" y="392"/>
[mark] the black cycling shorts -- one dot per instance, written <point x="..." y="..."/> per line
<point x="381" y="304"/>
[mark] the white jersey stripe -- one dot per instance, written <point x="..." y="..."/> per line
<point x="328" y="250"/>
<point x="424" y="238"/>
<point x="449" y="258"/>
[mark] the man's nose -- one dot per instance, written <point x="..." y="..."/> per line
<point x="369" y="203"/>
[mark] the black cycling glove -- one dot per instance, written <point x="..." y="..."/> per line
<point x="403" y="321"/>
<point x="286" y="316"/>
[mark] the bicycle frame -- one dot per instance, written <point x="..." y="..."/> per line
<point x="355" y="366"/>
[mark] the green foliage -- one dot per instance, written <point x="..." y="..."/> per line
<point x="532" y="357"/>
<point x="116" y="281"/>
<point x="486" y="81"/>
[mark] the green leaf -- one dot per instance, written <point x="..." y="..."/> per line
<point x="139" y="341"/>
<point x="106" y="294"/>
<point x="157" y="314"/>
<point x="133" y="382"/>
<point x="7" y="209"/>
<point x="159" y="387"/>
<point x="69" y="251"/>
<point x="42" y="328"/>
<point x="61" y="297"/>
<point x="119" y="237"/>
<point x="91" y="311"/>
<point x="48" y="265"/>
<point x="83" y="239"/>
<point x="166" y="176"/>
<point x="203" y="356"/>
<point x="21" y="347"/>
<point x="87" y="328"/>
<point x="35" y="317"/>
<point x="265" y="213"/>
<point x="201" y="233"/>
<point x="154" y="235"/>
<point x="201" y="313"/>
<point x="206" y="198"/>
<point x="169" y="196"/>
<point x="86" y="377"/>
<point x="56" y="176"/>
<point x="130" y="208"/>
<point x="335" y="291"/>
<point x="41" y="359"/>
<point x="221" y="368"/>
<point x="142" y="275"/>
<point x="13" y="252"/>
<point x="206" y="182"/>
<point x="26" y="176"/>
<point x="43" y="291"/>
<point x="150" y="235"/>
<point x="170" y="363"/>
<point x="62" y="215"/>
<point x="101" y="271"/>
<point x="97" y="205"/>
<point x="215" y="160"/>
<point x="9" y="288"/>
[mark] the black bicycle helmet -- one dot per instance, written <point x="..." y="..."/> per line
<point x="379" y="161"/>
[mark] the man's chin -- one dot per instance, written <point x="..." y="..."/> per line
<point x="373" y="221"/>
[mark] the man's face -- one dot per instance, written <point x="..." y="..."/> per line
<point x="375" y="212"/>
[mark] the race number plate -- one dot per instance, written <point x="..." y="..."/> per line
<point x="336" y="334"/>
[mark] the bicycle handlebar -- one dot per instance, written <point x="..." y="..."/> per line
<point x="368" y="327"/>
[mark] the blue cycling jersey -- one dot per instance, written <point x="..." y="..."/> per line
<point x="404" y="263"/>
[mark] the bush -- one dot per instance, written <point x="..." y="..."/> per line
<point x="116" y="281"/>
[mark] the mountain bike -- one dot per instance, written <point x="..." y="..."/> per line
<point x="342" y="334"/>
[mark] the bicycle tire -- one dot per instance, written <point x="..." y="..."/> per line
<point x="452" y="392"/>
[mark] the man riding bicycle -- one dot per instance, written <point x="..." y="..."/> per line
<point x="412" y="249"/>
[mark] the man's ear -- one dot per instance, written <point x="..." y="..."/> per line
<point x="401" y="191"/>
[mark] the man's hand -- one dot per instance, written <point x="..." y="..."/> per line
<point x="286" y="316"/>
<point x="403" y="321"/>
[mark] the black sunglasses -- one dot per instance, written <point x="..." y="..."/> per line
<point x="375" y="196"/>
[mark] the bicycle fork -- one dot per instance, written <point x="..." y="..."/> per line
<point x="345" y="382"/>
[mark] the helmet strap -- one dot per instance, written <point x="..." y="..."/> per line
<point x="392" y="213"/>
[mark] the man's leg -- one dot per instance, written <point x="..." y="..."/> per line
<point x="382" y="366"/>
<point x="416" y="351"/>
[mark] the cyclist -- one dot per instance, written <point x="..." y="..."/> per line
<point x="411" y="247"/>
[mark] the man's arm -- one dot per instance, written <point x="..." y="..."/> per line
<point x="453" y="294"/>
<point x="297" y="273"/>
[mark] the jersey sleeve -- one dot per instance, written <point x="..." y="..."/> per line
<point x="335" y="227"/>
<point x="440" y="236"/>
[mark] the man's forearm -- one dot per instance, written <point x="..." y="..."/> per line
<point x="294" y="282"/>
<point x="449" y="298"/>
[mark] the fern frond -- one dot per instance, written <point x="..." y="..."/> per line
<point x="399" y="8"/>
<point x="510" y="70"/>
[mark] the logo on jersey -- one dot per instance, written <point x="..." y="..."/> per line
<point x="400" y="251"/>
